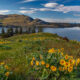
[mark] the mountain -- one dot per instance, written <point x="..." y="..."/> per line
<point x="19" y="20"/>
<point x="25" y="21"/>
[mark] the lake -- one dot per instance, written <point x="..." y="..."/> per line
<point x="70" y="33"/>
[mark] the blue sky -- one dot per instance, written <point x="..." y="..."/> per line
<point x="48" y="10"/>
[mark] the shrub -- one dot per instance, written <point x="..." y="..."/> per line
<point x="53" y="65"/>
<point x="4" y="35"/>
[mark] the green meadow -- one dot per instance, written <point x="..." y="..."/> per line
<point x="15" y="51"/>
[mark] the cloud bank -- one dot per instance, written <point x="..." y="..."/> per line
<point x="4" y="11"/>
<point x="61" y="8"/>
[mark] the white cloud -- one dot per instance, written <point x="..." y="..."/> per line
<point x="50" y="5"/>
<point x="41" y="9"/>
<point x="4" y="11"/>
<point x="55" y="7"/>
<point x="61" y="8"/>
<point x="66" y="9"/>
<point x="26" y="11"/>
<point x="26" y="1"/>
<point x="45" y="9"/>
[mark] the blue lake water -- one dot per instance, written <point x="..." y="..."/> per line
<point x="70" y="33"/>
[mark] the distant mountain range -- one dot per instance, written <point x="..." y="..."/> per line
<point x="16" y="20"/>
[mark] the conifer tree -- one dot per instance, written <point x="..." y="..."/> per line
<point x="20" y="31"/>
<point x="16" y="31"/>
<point x="10" y="32"/>
<point x="2" y="32"/>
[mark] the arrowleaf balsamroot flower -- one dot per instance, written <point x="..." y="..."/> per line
<point x="52" y="50"/>
<point x="37" y="63"/>
<point x="53" y="68"/>
<point x="54" y="63"/>
<point x="66" y="57"/>
<point x="7" y="74"/>
<point x="62" y="62"/>
<point x="47" y="65"/>
<point x="70" y="69"/>
<point x="32" y="63"/>
<point x="42" y="62"/>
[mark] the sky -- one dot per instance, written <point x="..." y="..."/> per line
<point x="47" y="10"/>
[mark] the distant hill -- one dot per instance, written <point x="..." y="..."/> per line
<point x="25" y="21"/>
<point x="19" y="20"/>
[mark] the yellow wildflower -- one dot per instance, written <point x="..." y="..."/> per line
<point x="62" y="62"/>
<point x="70" y="69"/>
<point x="67" y="64"/>
<point x="73" y="61"/>
<point x="66" y="57"/>
<point x="78" y="61"/>
<point x="60" y="68"/>
<point x="42" y="62"/>
<point x="62" y="53"/>
<point x="65" y="68"/>
<point x="53" y="68"/>
<point x="37" y="63"/>
<point x="7" y="74"/>
<point x="62" y="49"/>
<point x="52" y="50"/>
<point x="32" y="63"/>
<point x="70" y="60"/>
<point x="47" y="65"/>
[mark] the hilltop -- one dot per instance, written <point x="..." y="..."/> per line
<point x="19" y="20"/>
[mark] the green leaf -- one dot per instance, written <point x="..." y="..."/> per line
<point x="45" y="75"/>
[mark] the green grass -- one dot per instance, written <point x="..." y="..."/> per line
<point x="21" y="47"/>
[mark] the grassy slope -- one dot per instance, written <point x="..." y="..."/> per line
<point x="23" y="45"/>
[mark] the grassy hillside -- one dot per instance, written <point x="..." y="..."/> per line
<point x="15" y="50"/>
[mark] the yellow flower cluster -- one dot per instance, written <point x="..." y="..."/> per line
<point x="7" y="74"/>
<point x="5" y="42"/>
<point x="52" y="50"/>
<point x="54" y="60"/>
<point x="38" y="38"/>
<point x="6" y="69"/>
<point x="42" y="63"/>
<point x="68" y="63"/>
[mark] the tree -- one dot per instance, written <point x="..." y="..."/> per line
<point x="29" y="30"/>
<point x="3" y="32"/>
<point x="16" y="31"/>
<point x="20" y="31"/>
<point x="10" y="32"/>
<point x="33" y="30"/>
